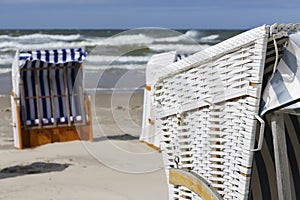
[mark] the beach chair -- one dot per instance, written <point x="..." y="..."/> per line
<point x="48" y="102"/>
<point x="227" y="117"/>
<point x="154" y="65"/>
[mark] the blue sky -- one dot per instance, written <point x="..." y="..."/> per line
<point x="175" y="14"/>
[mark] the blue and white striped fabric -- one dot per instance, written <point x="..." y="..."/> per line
<point x="282" y="91"/>
<point x="49" y="68"/>
<point x="54" y="56"/>
<point x="263" y="181"/>
<point x="181" y="56"/>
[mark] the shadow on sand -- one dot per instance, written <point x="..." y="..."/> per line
<point x="33" y="168"/>
<point x="116" y="137"/>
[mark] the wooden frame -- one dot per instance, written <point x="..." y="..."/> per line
<point x="281" y="157"/>
<point x="194" y="182"/>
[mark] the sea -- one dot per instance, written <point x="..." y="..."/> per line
<point x="116" y="59"/>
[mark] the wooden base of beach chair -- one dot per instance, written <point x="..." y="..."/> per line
<point x="38" y="137"/>
<point x="34" y="136"/>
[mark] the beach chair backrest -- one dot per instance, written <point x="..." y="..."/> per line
<point x="51" y="86"/>
<point x="154" y="66"/>
<point x="51" y="91"/>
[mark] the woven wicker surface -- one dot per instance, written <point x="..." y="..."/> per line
<point x="205" y="106"/>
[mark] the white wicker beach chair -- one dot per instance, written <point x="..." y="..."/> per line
<point x="154" y="65"/>
<point x="48" y="103"/>
<point x="215" y="144"/>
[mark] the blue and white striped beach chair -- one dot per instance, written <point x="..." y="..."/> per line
<point x="48" y="102"/>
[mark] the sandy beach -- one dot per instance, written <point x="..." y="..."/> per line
<point x="115" y="166"/>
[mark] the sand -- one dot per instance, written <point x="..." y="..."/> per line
<point x="115" y="166"/>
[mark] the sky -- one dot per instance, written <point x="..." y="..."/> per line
<point x="127" y="14"/>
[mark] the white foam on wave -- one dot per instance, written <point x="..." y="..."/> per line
<point x="89" y="67"/>
<point x="192" y="34"/>
<point x="109" y="59"/>
<point x="6" y="59"/>
<point x="40" y="36"/>
<point x="182" y="48"/>
<point x="176" y="39"/>
<point x="127" y="40"/>
<point x="5" y="70"/>
<point x="141" y="39"/>
<point x="209" y="38"/>
<point x="47" y="45"/>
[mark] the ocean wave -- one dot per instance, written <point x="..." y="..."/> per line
<point x="181" y="48"/>
<point x="40" y="36"/>
<point x="71" y="40"/>
<point x="142" y="39"/>
<point x="193" y="34"/>
<point x="112" y="51"/>
<point x="210" y="38"/>
<point x="6" y="59"/>
<point x="102" y="67"/>
<point x="5" y="70"/>
<point x="176" y="39"/>
<point x="114" y="42"/>
<point x="138" y="46"/>
<point x="109" y="59"/>
<point x="13" y="46"/>
<point x="117" y="40"/>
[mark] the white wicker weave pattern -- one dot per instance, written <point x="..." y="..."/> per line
<point x="205" y="106"/>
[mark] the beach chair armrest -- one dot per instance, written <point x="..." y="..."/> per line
<point x="261" y="133"/>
